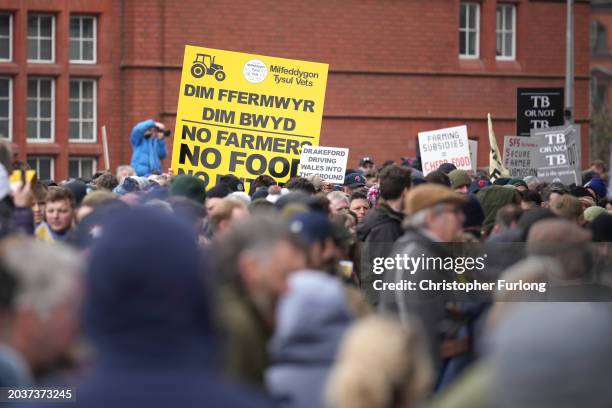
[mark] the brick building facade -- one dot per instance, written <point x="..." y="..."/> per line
<point x="395" y="67"/>
<point x="601" y="76"/>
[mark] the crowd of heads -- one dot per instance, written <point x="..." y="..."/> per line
<point x="148" y="282"/>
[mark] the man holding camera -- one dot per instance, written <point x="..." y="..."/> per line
<point x="149" y="146"/>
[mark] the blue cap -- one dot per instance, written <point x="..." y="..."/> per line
<point x="311" y="227"/>
<point x="597" y="185"/>
<point x="354" y="180"/>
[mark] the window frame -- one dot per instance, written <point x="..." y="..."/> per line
<point x="80" y="119"/>
<point x="503" y="31"/>
<point x="9" y="136"/>
<point x="466" y="30"/>
<point x="80" y="39"/>
<point x="38" y="38"/>
<point x="37" y="158"/>
<point x="79" y="159"/>
<point x="10" y="58"/>
<point x="52" y="138"/>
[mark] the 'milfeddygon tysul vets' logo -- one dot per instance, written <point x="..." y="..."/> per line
<point x="204" y="64"/>
<point x="255" y="71"/>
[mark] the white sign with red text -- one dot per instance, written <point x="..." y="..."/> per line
<point x="441" y="146"/>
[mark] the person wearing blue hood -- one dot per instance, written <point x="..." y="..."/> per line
<point x="148" y="316"/>
<point x="311" y="321"/>
<point x="149" y="146"/>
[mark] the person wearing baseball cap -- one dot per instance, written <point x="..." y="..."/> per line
<point x="353" y="181"/>
<point x="434" y="216"/>
<point x="366" y="163"/>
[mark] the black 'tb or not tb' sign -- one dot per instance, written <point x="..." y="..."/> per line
<point x="538" y="108"/>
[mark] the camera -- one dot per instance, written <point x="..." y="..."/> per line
<point x="166" y="132"/>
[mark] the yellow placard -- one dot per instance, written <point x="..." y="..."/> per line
<point x="245" y="114"/>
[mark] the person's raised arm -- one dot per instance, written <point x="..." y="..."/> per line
<point x="138" y="132"/>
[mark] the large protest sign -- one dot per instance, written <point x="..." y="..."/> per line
<point x="473" y="144"/>
<point x="558" y="154"/>
<point x="519" y="154"/>
<point x="449" y="145"/>
<point x="245" y="114"/>
<point x="538" y="108"/>
<point x="329" y="163"/>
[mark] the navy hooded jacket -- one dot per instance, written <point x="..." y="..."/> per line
<point x="148" y="316"/>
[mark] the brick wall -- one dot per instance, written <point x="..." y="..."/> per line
<point x="394" y="65"/>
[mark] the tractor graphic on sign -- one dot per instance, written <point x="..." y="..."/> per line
<point x="205" y="65"/>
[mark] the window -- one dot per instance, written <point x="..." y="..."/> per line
<point x="82" y="39"/>
<point x="599" y="35"/>
<point x="43" y="165"/>
<point x="82" y="110"/>
<point x="81" y="167"/>
<point x="506" y="32"/>
<point x="469" y="27"/>
<point x="40" y="109"/>
<point x="41" y="38"/>
<point x="6" y="34"/>
<point x="6" y="107"/>
<point x="599" y="92"/>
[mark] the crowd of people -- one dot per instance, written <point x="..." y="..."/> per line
<point x="143" y="288"/>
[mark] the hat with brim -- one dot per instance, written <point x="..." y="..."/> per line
<point x="429" y="195"/>
<point x="354" y="180"/>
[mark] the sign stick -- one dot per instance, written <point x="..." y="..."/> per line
<point x="105" y="147"/>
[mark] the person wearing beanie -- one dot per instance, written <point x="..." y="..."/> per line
<point x="311" y="321"/>
<point x="460" y="181"/>
<point x="260" y="193"/>
<point x="162" y="333"/>
<point x="189" y="186"/>
<point x="601" y="227"/>
<point x="78" y="189"/>
<point x="446" y="168"/>
<point x="519" y="184"/>
<point x="501" y="181"/>
<point x="593" y="212"/>
<point x="474" y="216"/>
<point x="492" y="199"/>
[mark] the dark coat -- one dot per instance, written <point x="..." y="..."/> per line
<point x="381" y="227"/>
<point x="148" y="315"/>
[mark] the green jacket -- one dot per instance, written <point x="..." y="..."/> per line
<point x="246" y="336"/>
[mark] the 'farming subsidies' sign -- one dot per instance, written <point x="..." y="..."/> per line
<point x="329" y="163"/>
<point x="448" y="145"/>
<point x="245" y="114"/>
<point x="538" y="108"/>
<point x="558" y="154"/>
<point x="519" y="154"/>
